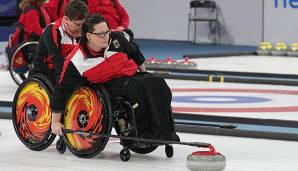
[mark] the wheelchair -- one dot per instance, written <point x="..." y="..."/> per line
<point x="88" y="109"/>
<point x="20" y="61"/>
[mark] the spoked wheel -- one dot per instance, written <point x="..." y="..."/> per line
<point x="125" y="122"/>
<point x="88" y="109"/>
<point x="21" y="61"/>
<point x="31" y="114"/>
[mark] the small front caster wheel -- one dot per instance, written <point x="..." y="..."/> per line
<point x="60" y="146"/>
<point x="169" y="151"/>
<point x="125" y="154"/>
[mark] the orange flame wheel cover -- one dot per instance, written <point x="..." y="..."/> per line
<point x="85" y="112"/>
<point x="33" y="114"/>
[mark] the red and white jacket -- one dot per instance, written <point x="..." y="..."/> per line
<point x="54" y="46"/>
<point x="120" y="58"/>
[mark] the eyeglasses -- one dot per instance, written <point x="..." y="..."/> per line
<point x="102" y="34"/>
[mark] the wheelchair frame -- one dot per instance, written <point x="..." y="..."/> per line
<point x="17" y="77"/>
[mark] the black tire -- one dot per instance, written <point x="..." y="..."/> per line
<point x="28" y="50"/>
<point x="169" y="150"/>
<point x="32" y="118"/>
<point x="88" y="146"/>
<point x="125" y="154"/>
<point x="61" y="146"/>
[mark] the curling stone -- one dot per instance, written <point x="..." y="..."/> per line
<point x="152" y="62"/>
<point x="293" y="50"/>
<point x="206" y="160"/>
<point x="168" y="63"/>
<point x="280" y="49"/>
<point x="264" y="49"/>
<point x="187" y="64"/>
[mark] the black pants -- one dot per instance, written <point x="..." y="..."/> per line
<point x="153" y="114"/>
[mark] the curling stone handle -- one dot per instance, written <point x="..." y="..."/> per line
<point x="212" y="149"/>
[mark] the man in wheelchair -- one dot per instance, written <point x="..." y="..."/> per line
<point x="116" y="62"/>
<point x="58" y="40"/>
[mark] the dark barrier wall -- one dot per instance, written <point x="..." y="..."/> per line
<point x="8" y="12"/>
<point x="5" y="31"/>
<point x="8" y="16"/>
<point x="8" y="8"/>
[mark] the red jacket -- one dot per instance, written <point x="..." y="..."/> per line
<point x="53" y="5"/>
<point x="114" y="13"/>
<point x="31" y="23"/>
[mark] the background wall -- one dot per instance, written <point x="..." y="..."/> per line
<point x="281" y="21"/>
<point x="240" y="20"/>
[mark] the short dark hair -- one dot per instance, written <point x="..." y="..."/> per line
<point x="88" y="25"/>
<point x="76" y="10"/>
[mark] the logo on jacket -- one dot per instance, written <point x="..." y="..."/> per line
<point x="116" y="43"/>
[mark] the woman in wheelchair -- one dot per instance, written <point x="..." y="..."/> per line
<point x="22" y="43"/>
<point x="116" y="62"/>
<point x="31" y="22"/>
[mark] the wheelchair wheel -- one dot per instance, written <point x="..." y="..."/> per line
<point x="31" y="114"/>
<point x="21" y="61"/>
<point x="88" y="109"/>
<point x="124" y="107"/>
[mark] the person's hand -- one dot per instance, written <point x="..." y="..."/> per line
<point x="56" y="124"/>
<point x="57" y="128"/>
<point x="142" y="68"/>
